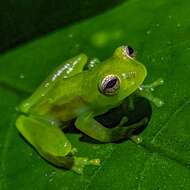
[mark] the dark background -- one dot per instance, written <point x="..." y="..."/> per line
<point x="23" y="20"/>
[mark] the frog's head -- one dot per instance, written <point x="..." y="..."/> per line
<point x="122" y="74"/>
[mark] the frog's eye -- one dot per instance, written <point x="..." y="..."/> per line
<point x="109" y="85"/>
<point x="129" y="51"/>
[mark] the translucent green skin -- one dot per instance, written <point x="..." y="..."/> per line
<point x="71" y="92"/>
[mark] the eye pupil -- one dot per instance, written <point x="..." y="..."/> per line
<point x="130" y="51"/>
<point x="111" y="83"/>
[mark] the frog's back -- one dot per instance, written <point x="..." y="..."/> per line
<point x="68" y="69"/>
<point x="60" y="100"/>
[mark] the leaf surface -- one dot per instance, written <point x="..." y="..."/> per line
<point x="159" y="31"/>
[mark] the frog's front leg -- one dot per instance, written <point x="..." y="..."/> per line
<point x="51" y="143"/>
<point x="88" y="125"/>
<point x="146" y="91"/>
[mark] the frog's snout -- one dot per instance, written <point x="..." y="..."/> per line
<point x="140" y="74"/>
<point x="142" y="69"/>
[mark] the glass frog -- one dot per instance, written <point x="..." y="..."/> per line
<point x="74" y="92"/>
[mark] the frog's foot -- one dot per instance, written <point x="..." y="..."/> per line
<point x="73" y="151"/>
<point x="146" y="91"/>
<point x="153" y="85"/>
<point x="136" y="139"/>
<point x="81" y="162"/>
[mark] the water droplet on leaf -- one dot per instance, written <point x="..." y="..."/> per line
<point x="21" y="76"/>
<point x="148" y="32"/>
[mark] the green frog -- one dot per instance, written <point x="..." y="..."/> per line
<point x="71" y="91"/>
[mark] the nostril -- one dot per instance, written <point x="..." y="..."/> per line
<point x="129" y="75"/>
<point x="132" y="74"/>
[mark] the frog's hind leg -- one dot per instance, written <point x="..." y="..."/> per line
<point x="69" y="67"/>
<point x="51" y="143"/>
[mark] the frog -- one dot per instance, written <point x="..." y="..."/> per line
<point x="81" y="89"/>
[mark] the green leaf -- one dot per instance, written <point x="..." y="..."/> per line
<point x="159" y="31"/>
